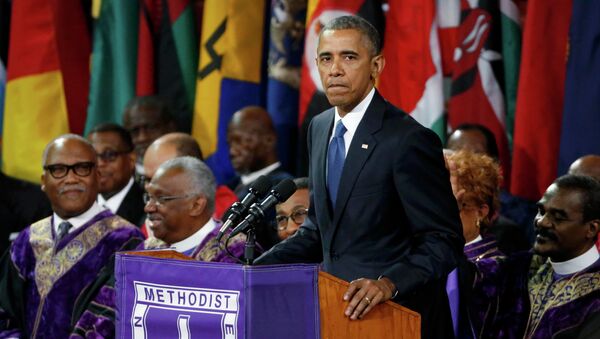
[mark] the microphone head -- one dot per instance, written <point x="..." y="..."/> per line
<point x="260" y="186"/>
<point x="284" y="189"/>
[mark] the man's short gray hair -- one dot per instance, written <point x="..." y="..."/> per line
<point x="65" y="136"/>
<point x="201" y="178"/>
<point x="357" y="23"/>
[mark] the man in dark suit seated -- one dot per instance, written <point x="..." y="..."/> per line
<point x="382" y="214"/>
<point x="253" y="152"/>
<point x="116" y="166"/>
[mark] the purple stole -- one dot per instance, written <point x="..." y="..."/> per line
<point x="520" y="296"/>
<point x="56" y="274"/>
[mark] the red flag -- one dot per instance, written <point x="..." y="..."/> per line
<point x="540" y="97"/>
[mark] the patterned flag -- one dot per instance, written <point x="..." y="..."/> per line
<point x="413" y="80"/>
<point x="540" y="97"/>
<point x="284" y="61"/>
<point x="480" y="74"/>
<point x="229" y="74"/>
<point x="48" y="79"/>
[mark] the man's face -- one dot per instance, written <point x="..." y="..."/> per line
<point x="155" y="156"/>
<point x="294" y="208"/>
<point x="169" y="220"/>
<point x="72" y="194"/>
<point x="247" y="146"/>
<point x="145" y="126"/>
<point x="470" y="140"/>
<point x="561" y="232"/>
<point x="116" y="163"/>
<point x="347" y="68"/>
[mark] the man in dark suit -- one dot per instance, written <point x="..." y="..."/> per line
<point x="116" y="166"/>
<point x="382" y="214"/>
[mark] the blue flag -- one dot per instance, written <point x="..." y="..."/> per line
<point x="581" y="114"/>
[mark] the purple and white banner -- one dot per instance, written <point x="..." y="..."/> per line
<point x="169" y="298"/>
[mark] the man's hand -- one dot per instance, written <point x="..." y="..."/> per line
<point x="364" y="294"/>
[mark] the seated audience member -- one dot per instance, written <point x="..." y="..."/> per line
<point x="116" y="168"/>
<point x="147" y="118"/>
<point x="292" y="212"/>
<point x="253" y="152"/>
<point x="477" y="138"/>
<point x="174" y="145"/>
<point x="554" y="291"/>
<point x="476" y="183"/>
<point x="52" y="264"/>
<point x="587" y="165"/>
<point x="21" y="203"/>
<point x="180" y="200"/>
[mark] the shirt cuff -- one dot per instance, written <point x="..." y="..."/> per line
<point x="395" y="293"/>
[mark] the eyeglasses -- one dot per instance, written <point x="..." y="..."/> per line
<point x="164" y="199"/>
<point x="297" y="216"/>
<point x="82" y="169"/>
<point x="110" y="155"/>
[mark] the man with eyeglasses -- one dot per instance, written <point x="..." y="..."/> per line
<point x="47" y="277"/>
<point x="292" y="212"/>
<point x="116" y="167"/>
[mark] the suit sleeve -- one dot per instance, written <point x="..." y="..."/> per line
<point x="423" y="184"/>
<point x="305" y="245"/>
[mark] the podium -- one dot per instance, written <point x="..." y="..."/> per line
<point x="164" y="294"/>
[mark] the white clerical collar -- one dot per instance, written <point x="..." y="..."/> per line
<point x="113" y="203"/>
<point x="195" y="239"/>
<point x="578" y="263"/>
<point x="479" y="238"/>
<point x="251" y="177"/>
<point x="353" y="118"/>
<point x="79" y="220"/>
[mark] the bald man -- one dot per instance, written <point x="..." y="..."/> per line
<point x="586" y="165"/>
<point x="252" y="149"/>
<point x="178" y="144"/>
<point x="46" y="278"/>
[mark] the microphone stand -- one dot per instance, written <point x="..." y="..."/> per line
<point x="250" y="246"/>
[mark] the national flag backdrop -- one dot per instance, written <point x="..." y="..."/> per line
<point x="479" y="74"/>
<point x="540" y="97"/>
<point x="230" y="74"/>
<point x="412" y="78"/>
<point x="47" y="81"/>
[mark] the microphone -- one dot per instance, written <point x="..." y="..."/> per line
<point x="238" y="209"/>
<point x="280" y="193"/>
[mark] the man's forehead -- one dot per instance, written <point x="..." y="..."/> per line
<point x="70" y="148"/>
<point x="561" y="198"/>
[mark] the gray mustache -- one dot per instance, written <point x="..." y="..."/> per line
<point x="77" y="187"/>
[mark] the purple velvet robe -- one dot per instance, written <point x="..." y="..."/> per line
<point x="99" y="321"/>
<point x="521" y="297"/>
<point x="486" y="248"/>
<point x="49" y="278"/>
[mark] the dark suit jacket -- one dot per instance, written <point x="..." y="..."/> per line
<point x="132" y="206"/>
<point x="395" y="215"/>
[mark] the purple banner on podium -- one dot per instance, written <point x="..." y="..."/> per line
<point x="169" y="298"/>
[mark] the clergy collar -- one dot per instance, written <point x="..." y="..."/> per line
<point x="479" y="238"/>
<point x="79" y="220"/>
<point x="195" y="239"/>
<point x="576" y="264"/>
<point x="251" y="177"/>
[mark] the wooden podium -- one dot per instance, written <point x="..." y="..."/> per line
<point x="386" y="320"/>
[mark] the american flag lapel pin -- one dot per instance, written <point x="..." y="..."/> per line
<point x="365" y="146"/>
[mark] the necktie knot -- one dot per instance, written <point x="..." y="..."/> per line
<point x="63" y="229"/>
<point x="340" y="130"/>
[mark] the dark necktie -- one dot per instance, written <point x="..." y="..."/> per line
<point x="63" y="229"/>
<point x="335" y="161"/>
